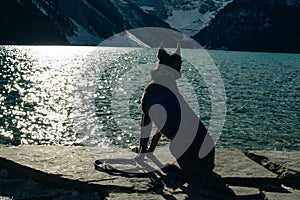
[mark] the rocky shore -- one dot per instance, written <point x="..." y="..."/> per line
<point x="60" y="172"/>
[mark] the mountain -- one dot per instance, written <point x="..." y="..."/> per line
<point x="81" y="22"/>
<point x="186" y="16"/>
<point x="103" y="18"/>
<point x="255" y="25"/>
<point x="88" y="22"/>
<point x="248" y="25"/>
<point x="21" y="22"/>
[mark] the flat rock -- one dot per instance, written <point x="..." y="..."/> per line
<point x="74" y="167"/>
<point x="289" y="159"/>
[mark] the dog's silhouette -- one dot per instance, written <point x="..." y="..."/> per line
<point x="163" y="105"/>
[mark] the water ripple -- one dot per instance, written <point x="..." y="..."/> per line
<point x="62" y="96"/>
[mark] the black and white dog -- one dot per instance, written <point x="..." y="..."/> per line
<point x="163" y="105"/>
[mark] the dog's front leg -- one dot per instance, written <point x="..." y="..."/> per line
<point x="145" y="133"/>
<point x="154" y="141"/>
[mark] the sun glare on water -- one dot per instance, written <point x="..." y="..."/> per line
<point x="39" y="92"/>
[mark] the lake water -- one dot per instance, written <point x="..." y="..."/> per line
<point x="57" y="95"/>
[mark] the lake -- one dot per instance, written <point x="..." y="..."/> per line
<point x="66" y="95"/>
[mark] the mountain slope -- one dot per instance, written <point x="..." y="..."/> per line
<point x="83" y="22"/>
<point x="256" y="25"/>
<point x="25" y="24"/>
<point x="248" y="25"/>
<point x="186" y="16"/>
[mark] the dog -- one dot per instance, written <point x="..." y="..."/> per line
<point x="163" y="105"/>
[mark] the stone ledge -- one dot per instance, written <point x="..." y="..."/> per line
<point x="72" y="168"/>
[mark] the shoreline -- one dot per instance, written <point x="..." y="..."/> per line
<point x="59" y="172"/>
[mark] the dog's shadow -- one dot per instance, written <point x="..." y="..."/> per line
<point x="170" y="182"/>
<point x="194" y="187"/>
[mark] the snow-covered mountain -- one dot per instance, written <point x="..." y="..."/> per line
<point x="80" y="22"/>
<point x="88" y="22"/>
<point x="257" y="25"/>
<point x="94" y="21"/>
<point x="186" y="16"/>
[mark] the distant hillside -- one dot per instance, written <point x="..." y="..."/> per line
<point x="80" y="22"/>
<point x="25" y="24"/>
<point x="186" y="16"/>
<point x="255" y="25"/>
<point x="247" y="25"/>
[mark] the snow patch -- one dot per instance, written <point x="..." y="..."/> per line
<point x="222" y="3"/>
<point x="189" y="22"/>
<point x="40" y="7"/>
<point x="146" y="9"/>
<point x="82" y="36"/>
<point x="124" y="39"/>
<point x="87" y="4"/>
<point x="124" y="2"/>
<point x="180" y="18"/>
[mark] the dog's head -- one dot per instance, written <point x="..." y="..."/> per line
<point x="171" y="60"/>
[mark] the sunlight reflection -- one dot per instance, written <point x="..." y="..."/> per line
<point x="60" y="52"/>
<point x="37" y="93"/>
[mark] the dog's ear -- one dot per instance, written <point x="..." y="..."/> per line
<point x="178" y="50"/>
<point x="176" y="58"/>
<point x="162" y="52"/>
<point x="162" y="47"/>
